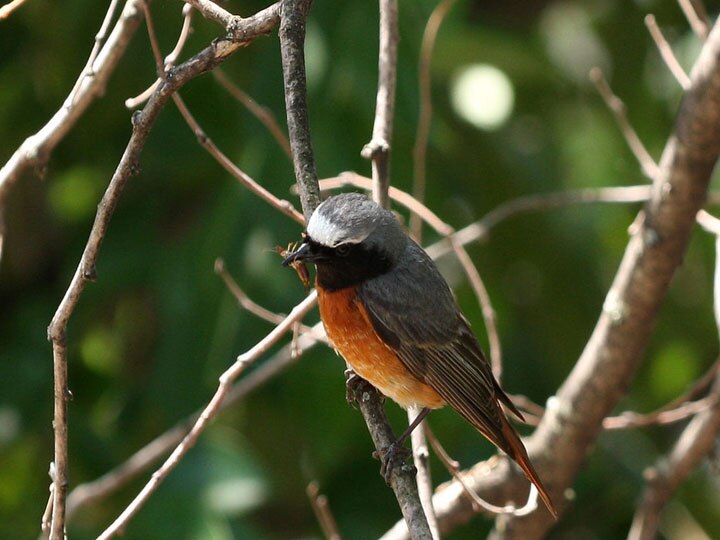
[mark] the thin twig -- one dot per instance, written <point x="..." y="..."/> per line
<point x="324" y="516"/>
<point x="7" y="9"/>
<point x="422" y="134"/>
<point x="453" y="467"/>
<point x="169" y="61"/>
<point x="696" y="15"/>
<point x="35" y="150"/>
<point x="666" y="52"/>
<point x="209" y="413"/>
<point x="256" y="309"/>
<point x="206" y="142"/>
<point x="144" y="458"/>
<point x="143" y="122"/>
<point x="421" y="458"/>
<point x="261" y="113"/>
<point x="480" y="230"/>
<point x="378" y="149"/>
<point x="615" y="104"/>
<point x="697" y="440"/>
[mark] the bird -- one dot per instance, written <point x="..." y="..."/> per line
<point x="391" y="315"/>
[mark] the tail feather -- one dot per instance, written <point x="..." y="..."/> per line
<point x="509" y="441"/>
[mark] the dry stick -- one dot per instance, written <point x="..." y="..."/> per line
<point x="666" y="52"/>
<point x="696" y="15"/>
<point x="261" y="113"/>
<point x="249" y="305"/>
<point x="697" y="440"/>
<point x="35" y="150"/>
<point x="322" y="511"/>
<point x="480" y="230"/>
<point x="615" y="350"/>
<point x="169" y="61"/>
<point x="7" y="9"/>
<point x="209" y="413"/>
<point x="619" y="111"/>
<point x="283" y="206"/>
<point x="99" y="40"/>
<point x="206" y="142"/>
<point x="378" y="149"/>
<point x="424" y="118"/>
<point x="143" y="459"/>
<point x="292" y="41"/>
<point x="143" y="121"/>
<point x="292" y="37"/>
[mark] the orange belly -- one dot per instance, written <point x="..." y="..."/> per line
<point x="352" y="335"/>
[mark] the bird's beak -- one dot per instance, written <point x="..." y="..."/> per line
<point x="302" y="253"/>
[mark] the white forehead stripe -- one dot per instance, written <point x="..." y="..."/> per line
<point x="329" y="233"/>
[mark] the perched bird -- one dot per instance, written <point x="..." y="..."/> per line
<point x="391" y="315"/>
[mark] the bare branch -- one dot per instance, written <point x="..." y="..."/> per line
<point x="606" y="367"/>
<point x="696" y="15"/>
<point x="697" y="440"/>
<point x="322" y="511"/>
<point x="378" y="149"/>
<point x="144" y="458"/>
<point x="261" y="113"/>
<point x="85" y="272"/>
<point x="666" y="52"/>
<point x="421" y="458"/>
<point x="425" y="117"/>
<point x="618" y="109"/>
<point x="35" y="150"/>
<point x="7" y="9"/>
<point x="208" y="414"/>
<point x="292" y="41"/>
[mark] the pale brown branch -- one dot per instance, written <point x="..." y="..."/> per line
<point x="666" y="52"/>
<point x="697" y="440"/>
<point x="421" y="458"/>
<point x="143" y="122"/>
<point x="422" y="134"/>
<point x="322" y="511"/>
<point x="241" y="176"/>
<point x="617" y="107"/>
<point x="261" y="113"/>
<point x="143" y="459"/>
<point x="696" y="15"/>
<point x="378" y="149"/>
<point x="7" y="9"/>
<point x="208" y="414"/>
<point x="35" y="150"/>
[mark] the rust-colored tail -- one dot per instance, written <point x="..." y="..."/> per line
<point x="510" y="443"/>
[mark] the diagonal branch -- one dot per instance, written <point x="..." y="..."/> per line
<point x="615" y="350"/>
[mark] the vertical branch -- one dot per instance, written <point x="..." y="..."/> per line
<point x="292" y="37"/>
<point x="292" y="41"/>
<point x="378" y="149"/>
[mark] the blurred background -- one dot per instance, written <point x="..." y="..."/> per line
<point x="514" y="114"/>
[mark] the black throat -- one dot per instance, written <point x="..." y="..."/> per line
<point x="335" y="272"/>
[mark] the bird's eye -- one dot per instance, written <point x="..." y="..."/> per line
<point x="342" y="250"/>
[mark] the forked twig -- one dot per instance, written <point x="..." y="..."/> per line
<point x="322" y="511"/>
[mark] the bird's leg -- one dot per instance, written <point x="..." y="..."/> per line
<point x="396" y="453"/>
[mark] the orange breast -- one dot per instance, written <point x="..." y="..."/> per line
<point x="351" y="333"/>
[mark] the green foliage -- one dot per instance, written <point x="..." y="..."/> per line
<point x="150" y="337"/>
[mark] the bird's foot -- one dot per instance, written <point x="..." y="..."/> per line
<point x="355" y="386"/>
<point x="395" y="455"/>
